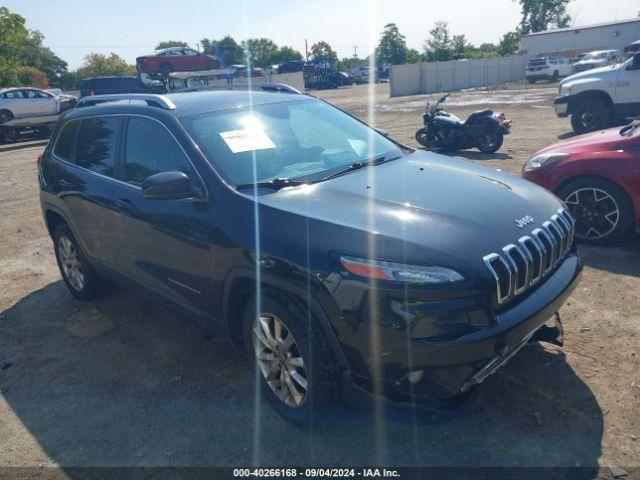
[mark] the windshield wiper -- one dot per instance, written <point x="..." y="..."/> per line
<point x="358" y="166"/>
<point x="276" y="184"/>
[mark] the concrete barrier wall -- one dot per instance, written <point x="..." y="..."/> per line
<point x="295" y="80"/>
<point x="430" y="77"/>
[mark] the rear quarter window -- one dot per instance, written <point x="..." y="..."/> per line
<point x="64" y="143"/>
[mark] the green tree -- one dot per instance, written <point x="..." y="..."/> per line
<point x="98" y="65"/>
<point x="23" y="59"/>
<point x="258" y="51"/>
<point x="509" y="44"/>
<point x="322" y="52"/>
<point x="171" y="43"/>
<point x="438" y="45"/>
<point x="226" y="49"/>
<point x="459" y="44"/>
<point x="348" y="63"/>
<point x="540" y="15"/>
<point x="283" y="54"/>
<point x="392" y="48"/>
<point x="413" y="56"/>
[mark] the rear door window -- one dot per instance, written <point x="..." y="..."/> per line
<point x="64" y="145"/>
<point x="97" y="140"/>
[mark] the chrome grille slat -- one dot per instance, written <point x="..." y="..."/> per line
<point x="522" y="265"/>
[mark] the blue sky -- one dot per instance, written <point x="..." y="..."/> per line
<point x="73" y="28"/>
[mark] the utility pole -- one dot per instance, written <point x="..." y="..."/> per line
<point x="306" y="50"/>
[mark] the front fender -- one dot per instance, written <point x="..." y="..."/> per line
<point x="308" y="291"/>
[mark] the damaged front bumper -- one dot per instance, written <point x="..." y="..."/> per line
<point x="432" y="373"/>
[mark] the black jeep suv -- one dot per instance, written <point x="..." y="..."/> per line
<point x="344" y="262"/>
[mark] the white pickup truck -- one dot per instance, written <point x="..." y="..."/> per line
<point x="602" y="97"/>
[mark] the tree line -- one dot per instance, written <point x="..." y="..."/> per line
<point x="24" y="60"/>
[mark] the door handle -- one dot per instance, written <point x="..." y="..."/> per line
<point x="67" y="185"/>
<point x="124" y="204"/>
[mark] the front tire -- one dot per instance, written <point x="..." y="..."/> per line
<point x="590" y="116"/>
<point x="81" y="280"/>
<point x="602" y="210"/>
<point x="291" y="359"/>
<point x="422" y="137"/>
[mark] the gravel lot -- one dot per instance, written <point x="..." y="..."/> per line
<point x="123" y="381"/>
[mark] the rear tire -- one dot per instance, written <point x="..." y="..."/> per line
<point x="590" y="116"/>
<point x="491" y="142"/>
<point x="293" y="356"/>
<point x="601" y="208"/>
<point x="5" y="116"/>
<point x="81" y="279"/>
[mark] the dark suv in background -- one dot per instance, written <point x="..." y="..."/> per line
<point x="112" y="85"/>
<point x="345" y="263"/>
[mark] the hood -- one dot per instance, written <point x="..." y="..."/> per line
<point x="589" y="63"/>
<point x="460" y="209"/>
<point x="603" y="140"/>
<point x="590" y="74"/>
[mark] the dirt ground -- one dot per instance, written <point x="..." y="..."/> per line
<point x="125" y="382"/>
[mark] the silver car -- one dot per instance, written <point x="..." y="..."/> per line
<point x="16" y="103"/>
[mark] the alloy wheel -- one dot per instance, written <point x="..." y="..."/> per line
<point x="70" y="261"/>
<point x="280" y="360"/>
<point x="596" y="212"/>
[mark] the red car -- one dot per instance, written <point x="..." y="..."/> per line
<point x="175" y="59"/>
<point x="598" y="177"/>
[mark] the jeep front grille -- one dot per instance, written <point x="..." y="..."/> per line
<point x="522" y="265"/>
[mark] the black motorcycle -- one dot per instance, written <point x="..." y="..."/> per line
<point x="484" y="129"/>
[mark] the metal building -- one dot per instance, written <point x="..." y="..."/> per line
<point x="570" y="42"/>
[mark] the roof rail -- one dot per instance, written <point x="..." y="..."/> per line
<point x="268" y="87"/>
<point x="159" y="101"/>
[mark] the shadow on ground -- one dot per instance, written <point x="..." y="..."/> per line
<point x="123" y="381"/>
<point x="9" y="147"/>
<point x="567" y="135"/>
<point x="621" y="259"/>
<point x="474" y="155"/>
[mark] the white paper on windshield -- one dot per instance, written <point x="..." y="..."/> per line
<point x="247" y="140"/>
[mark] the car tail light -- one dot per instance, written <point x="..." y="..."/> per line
<point x="93" y="92"/>
<point x="39" y="160"/>
<point x="501" y="116"/>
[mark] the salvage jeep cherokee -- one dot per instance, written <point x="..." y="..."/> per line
<point x="349" y="266"/>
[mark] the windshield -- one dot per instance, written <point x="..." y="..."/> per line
<point x="302" y="140"/>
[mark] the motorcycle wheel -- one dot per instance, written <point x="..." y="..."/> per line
<point x="491" y="142"/>
<point x="422" y="137"/>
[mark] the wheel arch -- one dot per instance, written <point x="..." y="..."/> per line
<point x="241" y="284"/>
<point x="53" y="219"/>
<point x="581" y="97"/>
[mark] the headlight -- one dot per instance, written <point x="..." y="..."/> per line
<point x="399" y="272"/>
<point x="540" y="160"/>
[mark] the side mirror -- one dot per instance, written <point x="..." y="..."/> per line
<point x="382" y="132"/>
<point x="635" y="63"/>
<point x="167" y="186"/>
